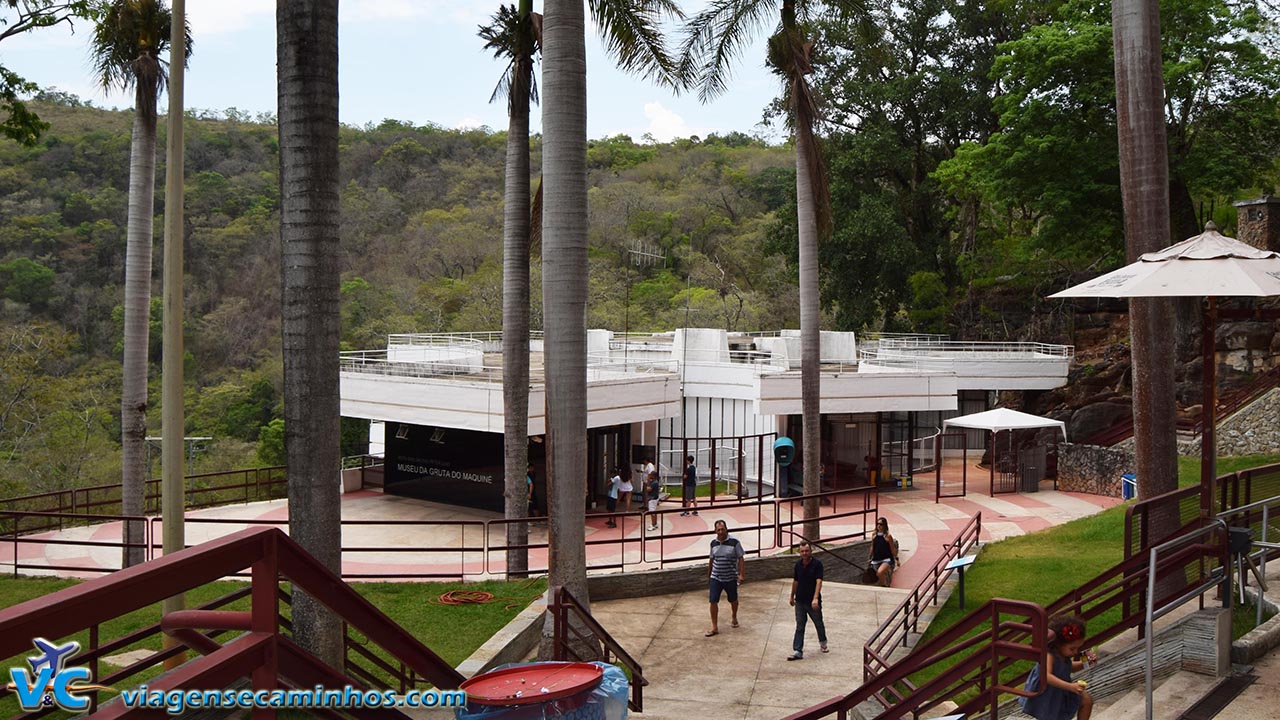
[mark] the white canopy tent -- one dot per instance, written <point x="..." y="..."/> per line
<point x="1001" y="419"/>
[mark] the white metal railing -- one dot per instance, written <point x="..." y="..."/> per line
<point x="916" y="363"/>
<point x="928" y="345"/>
<point x="1215" y="577"/>
<point x="605" y="365"/>
<point x="376" y="362"/>
<point x="1265" y="544"/>
<point x="468" y="340"/>
<point x="920" y="450"/>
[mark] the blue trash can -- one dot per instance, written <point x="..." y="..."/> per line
<point x="1128" y="486"/>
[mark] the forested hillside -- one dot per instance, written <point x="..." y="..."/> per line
<point x="421" y="237"/>
<point x="971" y="151"/>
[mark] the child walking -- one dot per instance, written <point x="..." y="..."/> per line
<point x="1062" y="699"/>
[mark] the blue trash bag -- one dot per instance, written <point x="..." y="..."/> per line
<point x="607" y="701"/>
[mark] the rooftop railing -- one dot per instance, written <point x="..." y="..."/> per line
<point x="929" y="345"/>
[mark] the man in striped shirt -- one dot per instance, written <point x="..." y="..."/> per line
<point x="725" y="570"/>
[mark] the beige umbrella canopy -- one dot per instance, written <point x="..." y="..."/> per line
<point x="1208" y="265"/>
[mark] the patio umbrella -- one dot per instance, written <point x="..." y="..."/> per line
<point x="1208" y="265"/>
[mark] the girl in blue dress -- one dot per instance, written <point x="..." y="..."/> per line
<point x="1061" y="698"/>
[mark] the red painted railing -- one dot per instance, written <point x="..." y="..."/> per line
<point x="574" y="627"/>
<point x="964" y="656"/>
<point x="261" y="653"/>
<point x="904" y="620"/>
<point x="471" y="548"/>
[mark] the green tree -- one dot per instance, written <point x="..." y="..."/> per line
<point x="271" y="444"/>
<point x="307" y="80"/>
<point x="127" y="46"/>
<point x="19" y="123"/>
<point x="26" y="281"/>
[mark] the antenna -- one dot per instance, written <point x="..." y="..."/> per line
<point x="640" y="254"/>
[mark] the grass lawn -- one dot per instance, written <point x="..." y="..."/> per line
<point x="452" y="631"/>
<point x="1189" y="467"/>
<point x="1043" y="566"/>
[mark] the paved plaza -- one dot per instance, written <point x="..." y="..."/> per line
<point x="740" y="673"/>
<point x="393" y="535"/>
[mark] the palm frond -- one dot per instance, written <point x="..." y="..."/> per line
<point x="127" y="46"/>
<point x="714" y="38"/>
<point x="516" y="39"/>
<point x="633" y="36"/>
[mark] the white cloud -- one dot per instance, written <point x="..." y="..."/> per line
<point x="470" y="122"/>
<point x="665" y="125"/>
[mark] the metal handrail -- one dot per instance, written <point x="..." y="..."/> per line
<point x="904" y="620"/>
<point x="262" y="653"/>
<point x="926" y="345"/>
<point x="562" y="604"/>
<point x="480" y="545"/>
<point x="1216" y="525"/>
<point x="976" y="653"/>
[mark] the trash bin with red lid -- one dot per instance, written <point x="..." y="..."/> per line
<point x="539" y="691"/>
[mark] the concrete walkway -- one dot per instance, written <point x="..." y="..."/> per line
<point x="743" y="672"/>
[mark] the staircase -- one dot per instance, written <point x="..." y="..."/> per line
<point x="260" y="650"/>
<point x="1228" y="404"/>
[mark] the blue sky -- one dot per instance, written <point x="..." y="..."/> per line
<point x="413" y="60"/>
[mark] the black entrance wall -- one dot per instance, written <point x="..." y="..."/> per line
<point x="459" y="467"/>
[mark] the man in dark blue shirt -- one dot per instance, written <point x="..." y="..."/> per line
<point x="806" y="598"/>
<point x="689" y="483"/>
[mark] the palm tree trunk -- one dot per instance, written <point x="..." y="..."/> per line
<point x="307" y="66"/>
<point x="1144" y="184"/>
<point x="137" y="321"/>
<point x="564" y="297"/>
<point x="515" y="315"/>
<point x="810" y="337"/>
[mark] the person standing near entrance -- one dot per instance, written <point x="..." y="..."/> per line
<point x="726" y="569"/>
<point x="653" y="493"/>
<point x="806" y="598"/>
<point x="625" y="488"/>
<point x="690" y="487"/>
<point x="615" y="483"/>
<point x="528" y="477"/>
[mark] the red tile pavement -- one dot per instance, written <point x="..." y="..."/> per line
<point x="921" y="526"/>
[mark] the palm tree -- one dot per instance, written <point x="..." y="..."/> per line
<point x="126" y="48"/>
<point x="513" y="34"/>
<point x="1144" y="187"/>
<point x="713" y="37"/>
<point x="630" y="29"/>
<point x="307" y="87"/>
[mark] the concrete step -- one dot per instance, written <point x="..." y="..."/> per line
<point x="1136" y="696"/>
<point x="1179" y="692"/>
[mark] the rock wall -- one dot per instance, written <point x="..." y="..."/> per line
<point x="1091" y="469"/>
<point x="1252" y="431"/>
